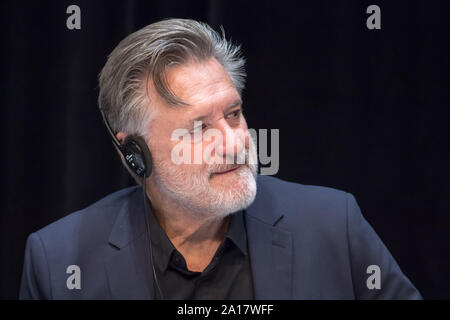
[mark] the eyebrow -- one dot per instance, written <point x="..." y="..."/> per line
<point x="231" y="106"/>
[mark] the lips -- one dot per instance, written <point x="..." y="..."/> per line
<point x="227" y="171"/>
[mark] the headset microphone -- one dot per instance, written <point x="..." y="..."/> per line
<point x="138" y="159"/>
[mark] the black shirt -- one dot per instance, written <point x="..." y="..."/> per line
<point x="228" y="275"/>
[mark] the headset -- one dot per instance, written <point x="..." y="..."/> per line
<point x="135" y="151"/>
<point x="139" y="160"/>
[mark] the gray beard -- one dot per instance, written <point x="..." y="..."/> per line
<point x="195" y="193"/>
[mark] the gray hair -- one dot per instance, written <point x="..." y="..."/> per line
<point x="146" y="54"/>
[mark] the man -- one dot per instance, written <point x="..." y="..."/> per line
<point x="216" y="230"/>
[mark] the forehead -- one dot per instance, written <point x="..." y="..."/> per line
<point x="205" y="86"/>
<point x="196" y="81"/>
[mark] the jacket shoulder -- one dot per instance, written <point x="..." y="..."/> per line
<point x="80" y="239"/>
<point x="79" y="226"/>
<point x="305" y="199"/>
<point x="309" y="209"/>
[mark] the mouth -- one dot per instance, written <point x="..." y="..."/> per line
<point x="226" y="171"/>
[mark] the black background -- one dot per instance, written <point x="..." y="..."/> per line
<point x="365" y="111"/>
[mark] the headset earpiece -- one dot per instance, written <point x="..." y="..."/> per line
<point x="134" y="150"/>
<point x="137" y="155"/>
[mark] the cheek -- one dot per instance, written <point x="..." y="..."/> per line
<point x="245" y="134"/>
<point x="159" y="151"/>
<point x="187" y="157"/>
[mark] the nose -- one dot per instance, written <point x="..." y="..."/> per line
<point x="232" y="146"/>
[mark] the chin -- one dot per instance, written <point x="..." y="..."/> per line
<point x="237" y="193"/>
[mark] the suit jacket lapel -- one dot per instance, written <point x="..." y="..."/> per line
<point x="270" y="248"/>
<point x="128" y="269"/>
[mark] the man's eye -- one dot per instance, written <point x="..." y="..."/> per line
<point x="234" y="114"/>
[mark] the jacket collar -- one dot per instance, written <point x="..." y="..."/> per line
<point x="129" y="267"/>
<point x="270" y="246"/>
<point x="129" y="223"/>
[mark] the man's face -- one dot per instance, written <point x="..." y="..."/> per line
<point x="219" y="183"/>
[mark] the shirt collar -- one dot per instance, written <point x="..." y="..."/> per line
<point x="236" y="231"/>
<point x="163" y="248"/>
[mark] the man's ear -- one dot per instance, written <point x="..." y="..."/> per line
<point x="121" y="136"/>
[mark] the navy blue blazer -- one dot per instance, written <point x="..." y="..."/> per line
<point x="305" y="242"/>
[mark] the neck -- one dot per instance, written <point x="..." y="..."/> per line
<point x="188" y="232"/>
